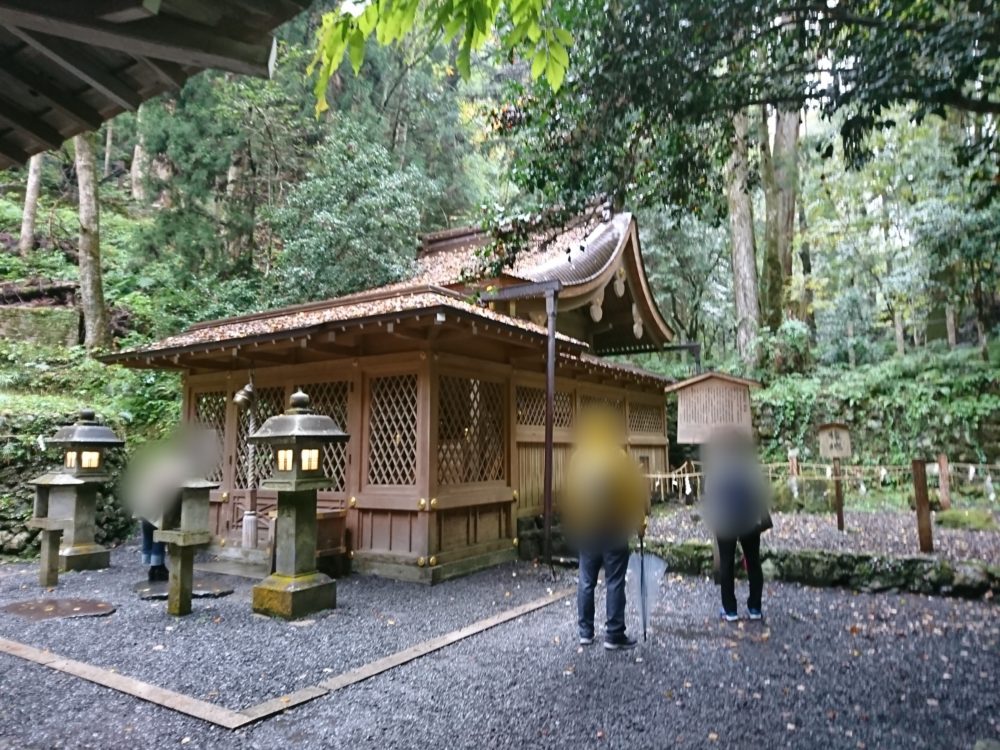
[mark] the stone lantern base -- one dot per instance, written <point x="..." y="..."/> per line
<point x="84" y="557"/>
<point x="291" y="597"/>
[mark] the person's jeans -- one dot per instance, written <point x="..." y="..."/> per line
<point x="727" y="573"/>
<point x="615" y="563"/>
<point x="152" y="552"/>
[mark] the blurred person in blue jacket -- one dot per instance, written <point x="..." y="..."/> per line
<point x="735" y="505"/>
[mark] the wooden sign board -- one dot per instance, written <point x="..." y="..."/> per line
<point x="834" y="441"/>
<point x="709" y="402"/>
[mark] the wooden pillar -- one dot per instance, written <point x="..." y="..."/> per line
<point x="944" y="481"/>
<point x="838" y="489"/>
<point x="923" y="506"/>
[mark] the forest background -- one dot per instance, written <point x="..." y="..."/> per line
<point x="829" y="228"/>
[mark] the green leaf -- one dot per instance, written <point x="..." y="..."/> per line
<point x="534" y="32"/>
<point x="357" y="50"/>
<point x="554" y="73"/>
<point x="564" y="37"/>
<point x="560" y="54"/>
<point x="538" y="64"/>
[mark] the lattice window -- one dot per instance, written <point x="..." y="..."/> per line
<point x="331" y="399"/>
<point x="531" y="407"/>
<point x="210" y="413"/>
<point x="611" y="402"/>
<point x="470" y="430"/>
<point x="392" y="430"/>
<point x="646" y="418"/>
<point x="255" y="463"/>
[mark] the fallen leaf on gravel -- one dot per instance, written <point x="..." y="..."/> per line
<point x="217" y="620"/>
<point x="158" y="647"/>
<point x="790" y="727"/>
<point x="285" y="699"/>
<point x="390" y="622"/>
<point x="600" y="734"/>
<point x="932" y="702"/>
<point x="579" y="649"/>
<point x="185" y="740"/>
<point x="713" y="737"/>
<point x="556" y="640"/>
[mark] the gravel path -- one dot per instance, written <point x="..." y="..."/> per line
<point x="253" y="657"/>
<point x="881" y="533"/>
<point x="828" y="668"/>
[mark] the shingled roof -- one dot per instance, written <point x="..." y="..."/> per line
<point x="444" y="280"/>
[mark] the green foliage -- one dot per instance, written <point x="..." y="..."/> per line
<point x="786" y="350"/>
<point x="974" y="519"/>
<point x="897" y="410"/>
<point x="349" y="226"/>
<point x="528" y="26"/>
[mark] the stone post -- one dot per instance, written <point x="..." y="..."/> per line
<point x="183" y="532"/>
<point x="295" y="588"/>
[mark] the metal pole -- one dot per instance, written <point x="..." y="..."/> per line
<point x="550" y="397"/>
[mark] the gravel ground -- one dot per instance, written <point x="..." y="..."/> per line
<point x="827" y="667"/>
<point x="252" y="657"/>
<point x="881" y="533"/>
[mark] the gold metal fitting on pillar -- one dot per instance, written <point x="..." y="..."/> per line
<point x="353" y="502"/>
<point x="516" y="495"/>
<point x="433" y="560"/>
<point x="434" y="502"/>
<point x="514" y="540"/>
<point x="422" y="503"/>
<point x="350" y="554"/>
<point x="421" y="562"/>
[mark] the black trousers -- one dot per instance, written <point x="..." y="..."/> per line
<point x="727" y="573"/>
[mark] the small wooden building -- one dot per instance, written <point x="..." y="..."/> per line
<point x="444" y="398"/>
<point x="709" y="401"/>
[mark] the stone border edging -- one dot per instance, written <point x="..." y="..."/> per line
<point x="857" y="571"/>
<point x="230" y="719"/>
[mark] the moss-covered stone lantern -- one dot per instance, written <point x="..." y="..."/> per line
<point x="297" y="437"/>
<point x="66" y="498"/>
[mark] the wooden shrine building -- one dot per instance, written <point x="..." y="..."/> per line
<point x="443" y="397"/>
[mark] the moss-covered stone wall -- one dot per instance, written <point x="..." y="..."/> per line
<point x="47" y="326"/>
<point x="22" y="459"/>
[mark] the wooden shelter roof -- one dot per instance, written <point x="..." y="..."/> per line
<point x="712" y="376"/>
<point x="66" y="66"/>
<point x="355" y="311"/>
<point x="443" y="284"/>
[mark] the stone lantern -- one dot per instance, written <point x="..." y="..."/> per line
<point x="297" y="437"/>
<point x="66" y="499"/>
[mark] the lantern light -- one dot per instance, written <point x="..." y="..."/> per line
<point x="84" y="444"/>
<point x="302" y="431"/>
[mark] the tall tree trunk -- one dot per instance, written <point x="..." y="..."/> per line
<point x="897" y="321"/>
<point x="950" y="325"/>
<point x="852" y="359"/>
<point x="97" y="331"/>
<point x="140" y="162"/>
<point x="772" y="287"/>
<point x="743" y="246"/>
<point x="785" y="158"/>
<point x="109" y="142"/>
<point x="26" y="240"/>
<point x="806" y="311"/>
<point x="780" y="178"/>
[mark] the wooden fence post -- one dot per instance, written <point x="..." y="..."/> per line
<point x="944" y="482"/>
<point x="923" y="506"/>
<point x="838" y="490"/>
